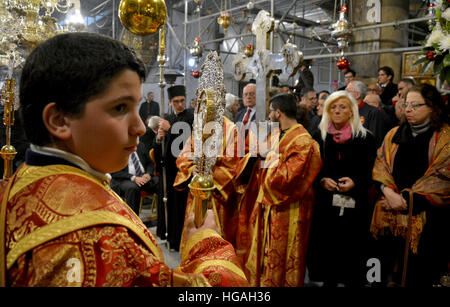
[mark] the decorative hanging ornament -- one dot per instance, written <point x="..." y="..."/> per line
<point x="225" y="20"/>
<point x="249" y="50"/>
<point x="430" y="21"/>
<point x="196" y="74"/>
<point x="143" y="17"/>
<point x="343" y="64"/>
<point x="250" y="5"/>
<point x="196" y="50"/>
<point x="198" y="2"/>
<point x="341" y="30"/>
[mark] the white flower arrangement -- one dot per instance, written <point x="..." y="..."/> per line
<point x="437" y="43"/>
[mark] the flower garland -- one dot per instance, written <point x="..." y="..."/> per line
<point x="437" y="43"/>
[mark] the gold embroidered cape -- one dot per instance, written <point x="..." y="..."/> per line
<point x="61" y="226"/>
<point x="228" y="168"/>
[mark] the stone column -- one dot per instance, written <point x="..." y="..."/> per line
<point x="391" y="37"/>
<point x="371" y="12"/>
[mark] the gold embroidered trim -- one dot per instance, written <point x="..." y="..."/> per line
<point x="73" y="223"/>
<point x="226" y="171"/>
<point x="30" y="174"/>
<point x="223" y="263"/>
<point x="294" y="139"/>
<point x="294" y="218"/>
<point x="196" y="238"/>
<point x="272" y="169"/>
<point x="3" y="232"/>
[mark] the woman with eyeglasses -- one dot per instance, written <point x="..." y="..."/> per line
<point x="340" y="224"/>
<point x="410" y="220"/>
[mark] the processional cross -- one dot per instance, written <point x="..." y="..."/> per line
<point x="263" y="63"/>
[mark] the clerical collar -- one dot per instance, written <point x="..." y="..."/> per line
<point x="71" y="158"/>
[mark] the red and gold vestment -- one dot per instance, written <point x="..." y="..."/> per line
<point x="228" y="192"/>
<point x="61" y="226"/>
<point x="275" y="216"/>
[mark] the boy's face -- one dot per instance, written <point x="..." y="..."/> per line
<point x="108" y="131"/>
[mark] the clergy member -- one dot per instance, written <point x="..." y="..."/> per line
<point x="176" y="128"/>
<point x="228" y="191"/>
<point x="275" y="216"/>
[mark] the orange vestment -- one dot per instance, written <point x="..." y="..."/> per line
<point x="275" y="215"/>
<point x="65" y="227"/>
<point x="227" y="194"/>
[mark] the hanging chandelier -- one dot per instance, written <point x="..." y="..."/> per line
<point x="225" y="19"/>
<point x="26" y="23"/>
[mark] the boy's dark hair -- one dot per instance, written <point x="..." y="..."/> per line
<point x="68" y="69"/>
<point x="350" y="71"/>
<point x="286" y="104"/>
<point x="389" y="71"/>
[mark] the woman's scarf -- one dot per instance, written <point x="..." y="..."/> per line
<point x="340" y="136"/>
<point x="434" y="185"/>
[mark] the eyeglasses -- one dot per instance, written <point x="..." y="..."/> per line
<point x="271" y="110"/>
<point x="413" y="106"/>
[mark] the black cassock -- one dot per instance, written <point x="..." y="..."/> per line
<point x="176" y="200"/>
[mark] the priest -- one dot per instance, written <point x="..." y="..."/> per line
<point x="275" y="216"/>
<point x="175" y="130"/>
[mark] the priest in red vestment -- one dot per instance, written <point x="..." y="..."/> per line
<point x="275" y="215"/>
<point x="228" y="191"/>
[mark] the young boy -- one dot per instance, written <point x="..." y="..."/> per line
<point x="61" y="223"/>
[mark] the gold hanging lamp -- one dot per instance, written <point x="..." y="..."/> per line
<point x="142" y="17"/>
<point x="225" y="19"/>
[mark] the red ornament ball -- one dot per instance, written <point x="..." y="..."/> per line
<point x="343" y="64"/>
<point x="196" y="74"/>
<point x="431" y="55"/>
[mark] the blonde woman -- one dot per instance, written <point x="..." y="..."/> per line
<point x="340" y="222"/>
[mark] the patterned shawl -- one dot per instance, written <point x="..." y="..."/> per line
<point x="434" y="185"/>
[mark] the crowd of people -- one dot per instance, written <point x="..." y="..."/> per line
<point x="316" y="208"/>
<point x="341" y="178"/>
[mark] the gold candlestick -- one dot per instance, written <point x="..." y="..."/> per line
<point x="8" y="152"/>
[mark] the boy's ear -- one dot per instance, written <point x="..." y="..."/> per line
<point x="56" y="122"/>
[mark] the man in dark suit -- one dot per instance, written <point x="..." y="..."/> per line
<point x="248" y="113"/>
<point x="148" y="108"/>
<point x="137" y="176"/>
<point x="386" y="81"/>
<point x="349" y="75"/>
